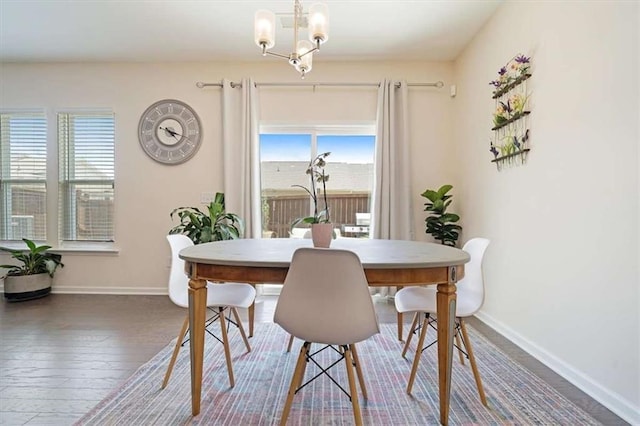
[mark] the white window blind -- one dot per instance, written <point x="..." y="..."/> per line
<point x="87" y="158"/>
<point x="23" y="170"/>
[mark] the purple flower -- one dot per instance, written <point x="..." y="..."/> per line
<point x="495" y="83"/>
<point x="493" y="150"/>
<point x="522" y="59"/>
<point x="502" y="71"/>
<point x="507" y="106"/>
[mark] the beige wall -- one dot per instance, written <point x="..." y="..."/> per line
<point x="562" y="270"/>
<point x="148" y="191"/>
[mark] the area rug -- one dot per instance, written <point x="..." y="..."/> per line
<point x="515" y="396"/>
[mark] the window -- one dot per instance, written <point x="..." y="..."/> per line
<point x="86" y="192"/>
<point x="284" y="157"/>
<point x="23" y="175"/>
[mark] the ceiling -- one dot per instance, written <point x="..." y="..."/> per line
<point x="217" y="30"/>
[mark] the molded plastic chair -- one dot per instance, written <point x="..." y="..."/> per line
<point x="325" y="299"/>
<point x="220" y="297"/>
<point x="470" y="297"/>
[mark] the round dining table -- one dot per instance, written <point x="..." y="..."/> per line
<point x="396" y="263"/>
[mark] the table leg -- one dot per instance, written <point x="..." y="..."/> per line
<point x="446" y="311"/>
<point x="197" y="318"/>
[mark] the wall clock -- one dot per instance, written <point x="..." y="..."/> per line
<point x="170" y="131"/>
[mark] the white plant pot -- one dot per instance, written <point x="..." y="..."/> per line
<point x="26" y="287"/>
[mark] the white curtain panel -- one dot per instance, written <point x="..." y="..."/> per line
<point x="240" y="140"/>
<point x="391" y="204"/>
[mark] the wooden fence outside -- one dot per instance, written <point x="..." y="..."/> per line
<point x="284" y="209"/>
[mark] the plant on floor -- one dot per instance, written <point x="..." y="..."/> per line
<point x="204" y="227"/>
<point x="36" y="260"/>
<point x="33" y="277"/>
<point x="440" y="223"/>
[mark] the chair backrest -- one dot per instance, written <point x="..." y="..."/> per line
<point x="325" y="298"/>
<point x="178" y="280"/>
<point x="471" y="287"/>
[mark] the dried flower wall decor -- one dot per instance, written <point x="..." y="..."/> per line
<point x="510" y="117"/>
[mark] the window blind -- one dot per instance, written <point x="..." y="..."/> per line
<point x="23" y="170"/>
<point x="86" y="143"/>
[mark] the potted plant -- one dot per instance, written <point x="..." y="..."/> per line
<point x="32" y="279"/>
<point x="214" y="225"/>
<point x="441" y="224"/>
<point x="320" y="221"/>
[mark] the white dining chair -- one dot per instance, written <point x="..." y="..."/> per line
<point x="470" y="297"/>
<point x="221" y="298"/>
<point x="325" y="300"/>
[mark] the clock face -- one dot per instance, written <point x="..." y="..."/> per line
<point x="169" y="131"/>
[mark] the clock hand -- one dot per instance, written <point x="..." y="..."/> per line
<point x="170" y="132"/>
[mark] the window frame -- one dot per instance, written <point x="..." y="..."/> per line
<point x="315" y="130"/>
<point x="65" y="203"/>
<point x="4" y="151"/>
<point x="52" y="235"/>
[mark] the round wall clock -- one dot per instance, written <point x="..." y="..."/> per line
<point x="170" y="132"/>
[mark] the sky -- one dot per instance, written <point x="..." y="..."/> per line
<point x="297" y="147"/>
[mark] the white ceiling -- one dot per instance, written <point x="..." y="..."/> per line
<point x="220" y="30"/>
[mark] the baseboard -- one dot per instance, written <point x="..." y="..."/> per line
<point x="608" y="398"/>
<point x="134" y="291"/>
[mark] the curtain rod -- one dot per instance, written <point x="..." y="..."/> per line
<point x="438" y="84"/>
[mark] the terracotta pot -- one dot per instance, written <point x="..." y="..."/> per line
<point x="321" y="234"/>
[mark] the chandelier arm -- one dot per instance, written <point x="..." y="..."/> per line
<point x="279" y="55"/>
<point x="307" y="52"/>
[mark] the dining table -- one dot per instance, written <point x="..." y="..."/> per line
<point x="395" y="263"/>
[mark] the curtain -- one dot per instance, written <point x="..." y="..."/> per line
<point x="240" y="141"/>
<point x="391" y="198"/>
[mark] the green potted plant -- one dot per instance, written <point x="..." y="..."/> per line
<point x="320" y="221"/>
<point x="213" y="225"/>
<point x="440" y="223"/>
<point x="33" y="277"/>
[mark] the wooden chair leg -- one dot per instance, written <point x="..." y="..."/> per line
<point x="225" y="342"/>
<point x="183" y="332"/>
<point x="242" y="333"/>
<point x="472" y="361"/>
<point x="352" y="385"/>
<point x="356" y="361"/>
<point x="460" y="346"/>
<point x="295" y="381"/>
<point x="410" y="335"/>
<point x="416" y="359"/>
<point x="290" y="343"/>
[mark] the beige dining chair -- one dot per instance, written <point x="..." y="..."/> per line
<point x="325" y="300"/>
<point x="221" y="298"/>
<point x="470" y="297"/>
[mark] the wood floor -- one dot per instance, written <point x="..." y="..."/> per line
<point x="60" y="355"/>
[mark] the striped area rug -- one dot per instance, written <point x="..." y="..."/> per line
<point x="515" y="396"/>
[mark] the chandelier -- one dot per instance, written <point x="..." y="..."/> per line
<point x="301" y="57"/>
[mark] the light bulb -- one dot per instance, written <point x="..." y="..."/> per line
<point x="264" y="29"/>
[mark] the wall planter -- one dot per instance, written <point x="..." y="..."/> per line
<point x="510" y="144"/>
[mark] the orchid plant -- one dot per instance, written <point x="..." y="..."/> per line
<point x="317" y="176"/>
